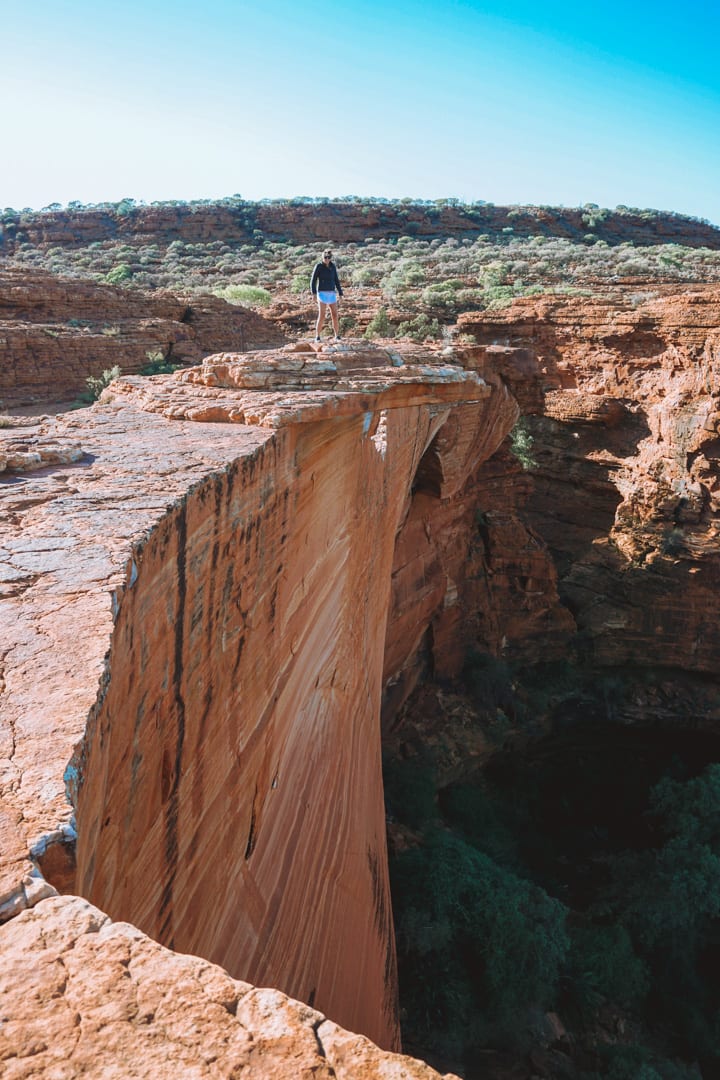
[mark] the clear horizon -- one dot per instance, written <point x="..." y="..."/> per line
<point x="559" y="106"/>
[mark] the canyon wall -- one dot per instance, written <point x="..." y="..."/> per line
<point x="230" y="534"/>
<point x="625" y="420"/>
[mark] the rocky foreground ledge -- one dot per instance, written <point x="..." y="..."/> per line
<point x="196" y="579"/>
<point x="81" y="995"/>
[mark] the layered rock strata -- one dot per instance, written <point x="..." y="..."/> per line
<point x="234" y="220"/>
<point x="229" y="535"/>
<point x="56" y="332"/>
<point x="626" y="488"/>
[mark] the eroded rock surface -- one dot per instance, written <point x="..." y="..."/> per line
<point x="626" y="428"/>
<point x="227" y="539"/>
<point x="55" y="332"/>
<point x="81" y="995"/>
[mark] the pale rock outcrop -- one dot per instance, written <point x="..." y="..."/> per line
<point x="81" y="995"/>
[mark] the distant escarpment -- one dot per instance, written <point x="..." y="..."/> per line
<point x="342" y="220"/>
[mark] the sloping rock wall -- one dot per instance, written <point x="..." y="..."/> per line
<point x="228" y="788"/>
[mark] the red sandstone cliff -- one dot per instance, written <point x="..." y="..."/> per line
<point x="227" y="790"/>
<point x="625" y="418"/>
<point x="346" y="220"/>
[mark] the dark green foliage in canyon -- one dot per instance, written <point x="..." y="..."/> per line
<point x="577" y="872"/>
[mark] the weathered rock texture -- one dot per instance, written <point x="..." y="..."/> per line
<point x="627" y="486"/>
<point x="229" y="533"/>
<point x="83" y="996"/>
<point x="56" y="332"/>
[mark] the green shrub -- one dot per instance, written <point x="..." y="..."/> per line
<point x="477" y="944"/>
<point x="119" y="274"/>
<point x="419" y="329"/>
<point x="157" y="364"/>
<point x="521" y="444"/>
<point x="251" y="295"/>
<point x="379" y="325"/>
<point x="97" y="383"/>
<point x="602" y="965"/>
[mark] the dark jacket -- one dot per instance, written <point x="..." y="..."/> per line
<point x="325" y="279"/>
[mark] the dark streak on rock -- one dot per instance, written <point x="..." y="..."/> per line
<point x="172" y="806"/>
<point x="384" y="925"/>
<point x="252" y="835"/>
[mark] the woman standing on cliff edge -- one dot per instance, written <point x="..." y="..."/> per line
<point x="325" y="284"/>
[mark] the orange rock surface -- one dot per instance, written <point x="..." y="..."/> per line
<point x="196" y="601"/>
<point x="627" y="440"/>
<point x="54" y="333"/>
<point x="83" y="996"/>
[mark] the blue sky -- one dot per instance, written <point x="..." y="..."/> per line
<point x="525" y="103"/>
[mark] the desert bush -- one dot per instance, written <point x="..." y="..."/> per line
<point x="95" y="384"/>
<point x="250" y="295"/>
<point x="158" y="364"/>
<point x="379" y="325"/>
<point x="421" y="328"/>
<point x="119" y="274"/>
<point x="521" y="444"/>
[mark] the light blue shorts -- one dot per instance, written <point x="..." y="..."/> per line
<point x="327" y="297"/>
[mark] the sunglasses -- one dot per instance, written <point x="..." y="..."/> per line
<point x="326" y="258"/>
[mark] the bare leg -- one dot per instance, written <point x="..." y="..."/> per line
<point x="322" y="315"/>
<point x="334" y="316"/>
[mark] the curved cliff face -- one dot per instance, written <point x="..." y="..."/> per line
<point x="626" y="493"/>
<point x="228" y="788"/>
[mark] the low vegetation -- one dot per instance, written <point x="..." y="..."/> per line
<point x="581" y="877"/>
<point x="95" y="384"/>
<point x="422" y="283"/>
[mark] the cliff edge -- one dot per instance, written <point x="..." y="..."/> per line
<point x="197" y="577"/>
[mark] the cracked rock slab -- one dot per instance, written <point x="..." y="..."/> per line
<point x="81" y="995"/>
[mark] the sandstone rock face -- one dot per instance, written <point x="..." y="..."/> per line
<point x="468" y="572"/>
<point x="55" y="332"/>
<point x="227" y="538"/>
<point x="626" y="492"/>
<point x="81" y="995"/>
